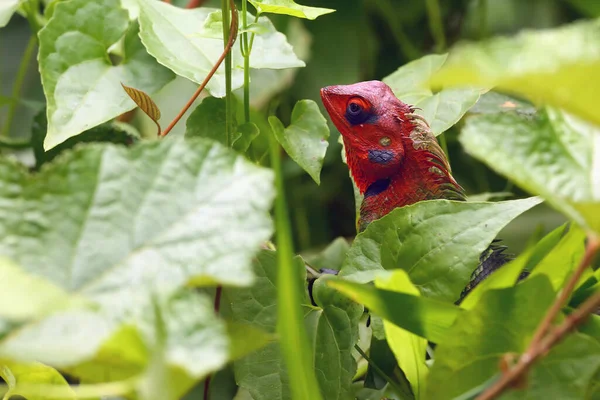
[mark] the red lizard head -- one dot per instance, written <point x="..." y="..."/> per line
<point x="373" y="123"/>
<point x="394" y="158"/>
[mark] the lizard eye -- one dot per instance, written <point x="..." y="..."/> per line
<point x="357" y="111"/>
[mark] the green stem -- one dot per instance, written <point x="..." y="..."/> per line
<point x="435" y="24"/>
<point x="290" y="327"/>
<point x="17" y="86"/>
<point x="228" y="107"/>
<point x="246" y="54"/>
<point x="385" y="376"/>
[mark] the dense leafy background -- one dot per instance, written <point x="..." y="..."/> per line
<point x="111" y="252"/>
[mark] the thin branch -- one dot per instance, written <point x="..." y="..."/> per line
<point x="565" y="293"/>
<point x="546" y="337"/>
<point x="232" y="36"/>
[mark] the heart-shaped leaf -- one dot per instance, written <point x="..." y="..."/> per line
<point x="173" y="36"/>
<point x="305" y="139"/>
<point x="81" y="84"/>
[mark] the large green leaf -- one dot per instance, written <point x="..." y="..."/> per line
<point x="289" y="7"/>
<point x="305" y="140"/>
<point x="553" y="66"/>
<point x="81" y="84"/>
<point x="437" y="242"/>
<point x="428" y="318"/>
<point x="502" y="321"/>
<point x="115" y="226"/>
<point x="441" y="110"/>
<point x="29" y="296"/>
<point x="18" y="375"/>
<point x="159" y="214"/>
<point x="173" y="35"/>
<point x="408" y="348"/>
<point x="551" y="154"/>
<point x="332" y="328"/>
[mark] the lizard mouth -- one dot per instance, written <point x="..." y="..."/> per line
<point x="328" y="94"/>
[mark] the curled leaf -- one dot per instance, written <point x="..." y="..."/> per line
<point x="145" y="103"/>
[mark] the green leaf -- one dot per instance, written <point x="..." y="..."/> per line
<point x="156" y="209"/>
<point x="428" y="318"/>
<point x="551" y="154"/>
<point x="509" y="273"/>
<point x="503" y="321"/>
<point x="442" y="110"/>
<point x="245" y="339"/>
<point x="333" y="329"/>
<point x="246" y="133"/>
<point x="408" y="348"/>
<point x="437" y="242"/>
<point x="151" y="219"/>
<point x="446" y="108"/>
<point x="563" y="259"/>
<point x="111" y="132"/>
<point x="334" y="335"/>
<point x="29" y="375"/>
<point x="171" y="35"/>
<point x="565" y="373"/>
<point x="7" y="9"/>
<point x="83" y="88"/>
<point x="30" y="296"/>
<point x="262" y="373"/>
<point x="534" y="64"/>
<point x="289" y="7"/>
<point x="208" y="120"/>
<point x="332" y="257"/>
<point x="306" y="138"/>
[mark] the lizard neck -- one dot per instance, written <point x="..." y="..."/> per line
<point x="423" y="175"/>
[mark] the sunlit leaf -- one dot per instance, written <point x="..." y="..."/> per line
<point x="289" y="7"/>
<point x="29" y="376"/>
<point x="551" y="154"/>
<point x="150" y="219"/>
<point x="437" y="242"/>
<point x="145" y="103"/>
<point x="305" y="139"/>
<point x="428" y="318"/>
<point x="111" y="132"/>
<point x="7" y="9"/>
<point x="26" y="296"/>
<point x="503" y="321"/>
<point x="408" y="348"/>
<point x="171" y="34"/>
<point x="83" y="88"/>
<point x="551" y="66"/>
<point x="441" y="110"/>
